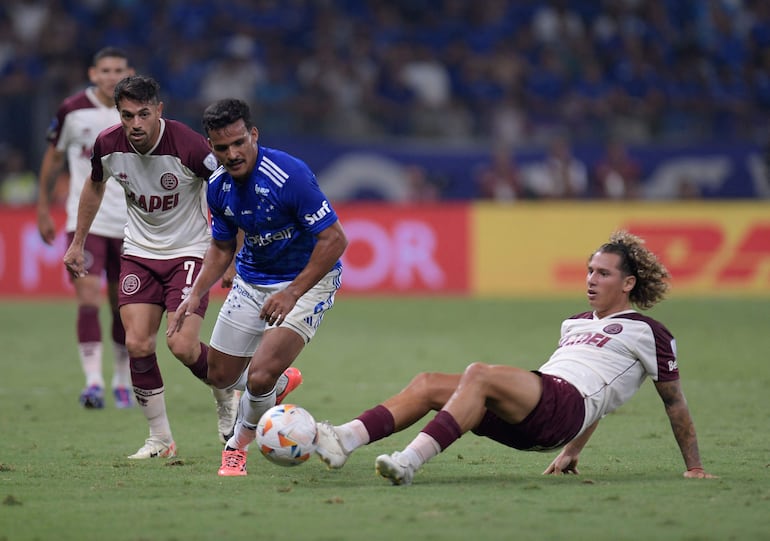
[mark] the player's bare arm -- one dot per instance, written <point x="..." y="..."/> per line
<point x="216" y="261"/>
<point x="229" y="275"/>
<point x="683" y="427"/>
<point x="330" y="245"/>
<point x="566" y="461"/>
<point x="53" y="163"/>
<point x="90" y="201"/>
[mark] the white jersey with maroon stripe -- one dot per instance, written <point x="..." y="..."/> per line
<point x="165" y="189"/>
<point x="73" y="131"/>
<point x="607" y="359"/>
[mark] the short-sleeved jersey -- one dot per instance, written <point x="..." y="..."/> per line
<point x="164" y="189"/>
<point x="280" y="209"/>
<point x="73" y="131"/>
<point x="607" y="359"/>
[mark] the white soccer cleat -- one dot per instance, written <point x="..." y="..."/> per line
<point x="396" y="468"/>
<point x="329" y="447"/>
<point x="155" y="448"/>
<point x="227" y="409"/>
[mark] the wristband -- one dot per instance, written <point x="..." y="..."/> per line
<point x="695" y="468"/>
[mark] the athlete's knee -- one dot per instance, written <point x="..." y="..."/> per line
<point x="183" y="349"/>
<point x="139" y="346"/>
<point x="476" y="372"/>
<point x="261" y="379"/>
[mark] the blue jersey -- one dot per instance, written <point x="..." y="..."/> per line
<point x="280" y="209"/>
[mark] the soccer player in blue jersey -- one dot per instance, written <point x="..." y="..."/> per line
<point x="288" y="270"/>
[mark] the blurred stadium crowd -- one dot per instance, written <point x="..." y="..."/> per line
<point x="504" y="71"/>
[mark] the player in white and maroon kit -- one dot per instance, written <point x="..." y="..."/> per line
<point x="162" y="166"/>
<point x="602" y="358"/>
<point x="71" y="137"/>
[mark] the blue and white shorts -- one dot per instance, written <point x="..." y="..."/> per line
<point x="238" y="329"/>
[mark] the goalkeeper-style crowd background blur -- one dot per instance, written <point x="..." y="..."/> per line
<point x="453" y="136"/>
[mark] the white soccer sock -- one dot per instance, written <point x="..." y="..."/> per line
<point x="422" y="448"/>
<point x="352" y="435"/>
<point x="121" y="377"/>
<point x="153" y="405"/>
<point x="252" y="407"/>
<point x="91" y="361"/>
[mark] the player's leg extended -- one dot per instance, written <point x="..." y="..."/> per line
<point x="142" y="322"/>
<point x="512" y="393"/>
<point x="426" y="392"/>
<point x="276" y="352"/>
<point x="89" y="336"/>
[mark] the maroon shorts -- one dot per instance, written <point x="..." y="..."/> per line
<point x="102" y="255"/>
<point x="556" y="419"/>
<point x="159" y="281"/>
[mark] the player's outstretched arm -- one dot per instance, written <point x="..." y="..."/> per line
<point x="330" y="245"/>
<point x="566" y="461"/>
<point x="218" y="257"/>
<point x="230" y="272"/>
<point x="683" y="427"/>
<point x="90" y="201"/>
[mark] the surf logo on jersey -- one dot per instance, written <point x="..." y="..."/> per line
<point x="319" y="214"/>
<point x="584" y="338"/>
<point x="268" y="238"/>
<point x="130" y="284"/>
<point x="169" y="181"/>
<point x="613" y="328"/>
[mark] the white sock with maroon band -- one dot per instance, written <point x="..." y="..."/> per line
<point x="422" y="448"/>
<point x="91" y="360"/>
<point x="153" y="405"/>
<point x="352" y="435"/>
<point x="252" y="408"/>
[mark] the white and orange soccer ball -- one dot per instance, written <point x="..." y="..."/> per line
<point x="286" y="435"/>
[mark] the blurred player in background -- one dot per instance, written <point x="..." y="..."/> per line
<point x="602" y="359"/>
<point x="288" y="269"/>
<point x="162" y="166"/>
<point x="71" y="137"/>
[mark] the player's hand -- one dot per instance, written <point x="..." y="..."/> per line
<point x="277" y="307"/>
<point x="698" y="473"/>
<point x="176" y="319"/>
<point x="46" y="227"/>
<point x="227" y="277"/>
<point x="75" y="261"/>
<point x="564" y="463"/>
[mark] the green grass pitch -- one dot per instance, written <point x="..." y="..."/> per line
<point x="64" y="475"/>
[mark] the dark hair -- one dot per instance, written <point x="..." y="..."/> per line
<point x="225" y="112"/>
<point x="138" y="88"/>
<point x="109" y="52"/>
<point x="636" y="260"/>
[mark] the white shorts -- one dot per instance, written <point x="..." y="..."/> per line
<point x="238" y="329"/>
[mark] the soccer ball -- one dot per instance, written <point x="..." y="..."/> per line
<point x="286" y="435"/>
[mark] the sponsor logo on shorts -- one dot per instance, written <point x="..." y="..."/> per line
<point x="169" y="181"/>
<point x="130" y="284"/>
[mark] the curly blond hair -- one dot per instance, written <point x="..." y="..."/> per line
<point x="636" y="260"/>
